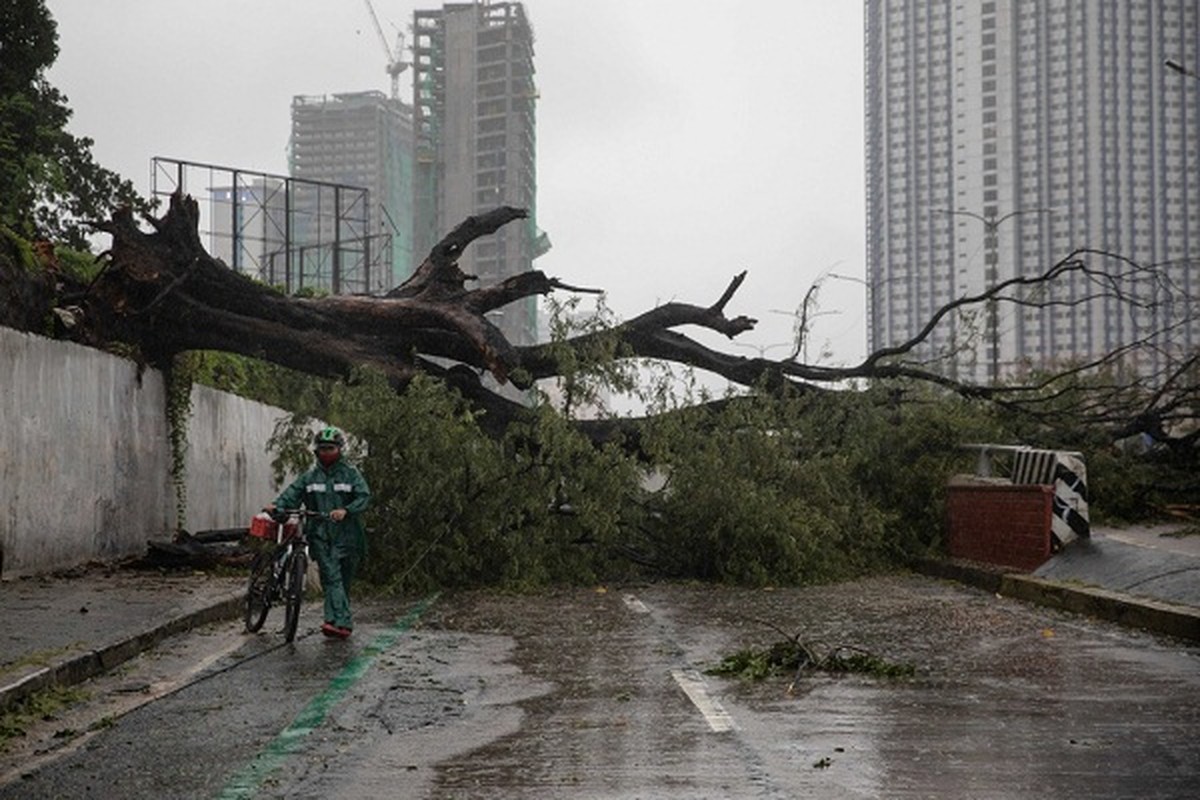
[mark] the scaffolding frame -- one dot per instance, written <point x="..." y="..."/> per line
<point x="296" y="233"/>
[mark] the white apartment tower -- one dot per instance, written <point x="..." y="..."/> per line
<point x="1001" y="135"/>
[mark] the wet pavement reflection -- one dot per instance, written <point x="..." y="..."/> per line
<point x="1009" y="700"/>
<point x="603" y="693"/>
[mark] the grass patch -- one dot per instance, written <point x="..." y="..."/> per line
<point x="38" y="707"/>
<point x="38" y="658"/>
<point x="103" y="723"/>
<point x="1191" y="530"/>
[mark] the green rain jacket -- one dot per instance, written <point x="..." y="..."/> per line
<point x="325" y="489"/>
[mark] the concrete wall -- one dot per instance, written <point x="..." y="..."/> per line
<point x="85" y="456"/>
<point x="228" y="465"/>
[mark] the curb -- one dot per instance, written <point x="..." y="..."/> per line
<point x="78" y="668"/>
<point x="1143" y="613"/>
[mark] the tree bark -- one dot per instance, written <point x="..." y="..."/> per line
<point x="161" y="292"/>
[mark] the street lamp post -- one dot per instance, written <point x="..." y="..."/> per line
<point x="804" y="315"/>
<point x="1175" y="66"/>
<point x="991" y="244"/>
<point x="762" y="348"/>
<point x="873" y="304"/>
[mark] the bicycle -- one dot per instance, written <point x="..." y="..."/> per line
<point x="277" y="575"/>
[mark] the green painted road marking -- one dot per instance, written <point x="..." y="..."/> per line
<point x="248" y="782"/>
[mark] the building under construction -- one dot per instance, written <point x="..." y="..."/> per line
<point x="360" y="139"/>
<point x="474" y="123"/>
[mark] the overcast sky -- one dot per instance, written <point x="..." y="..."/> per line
<point x="678" y="142"/>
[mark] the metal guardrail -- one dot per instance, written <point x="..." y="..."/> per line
<point x="1065" y="470"/>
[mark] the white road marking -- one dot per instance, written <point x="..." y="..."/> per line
<point x="694" y="687"/>
<point x="635" y="605"/>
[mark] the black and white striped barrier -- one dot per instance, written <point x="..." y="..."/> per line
<point x="1068" y="474"/>
<point x="1065" y="470"/>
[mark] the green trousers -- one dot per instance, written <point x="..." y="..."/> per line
<point x="337" y="561"/>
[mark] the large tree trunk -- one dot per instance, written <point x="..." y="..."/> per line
<point x="164" y="294"/>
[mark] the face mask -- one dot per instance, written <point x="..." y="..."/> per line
<point x="328" y="457"/>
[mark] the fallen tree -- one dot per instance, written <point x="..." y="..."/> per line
<point x="790" y="481"/>
<point x="161" y="293"/>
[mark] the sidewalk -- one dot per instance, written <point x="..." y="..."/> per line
<point x="1144" y="561"/>
<point x="65" y="628"/>
<point x="1140" y="576"/>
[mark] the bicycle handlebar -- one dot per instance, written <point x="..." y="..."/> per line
<point x="281" y="514"/>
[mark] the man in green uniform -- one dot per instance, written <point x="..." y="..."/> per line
<point x="337" y="541"/>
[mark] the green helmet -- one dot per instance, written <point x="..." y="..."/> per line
<point x="329" y="435"/>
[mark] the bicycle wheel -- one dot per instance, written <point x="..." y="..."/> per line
<point x="258" y="592"/>
<point x="293" y="593"/>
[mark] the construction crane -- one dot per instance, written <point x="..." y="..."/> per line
<point x="395" y="61"/>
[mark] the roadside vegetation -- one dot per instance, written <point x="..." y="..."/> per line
<point x="38" y="707"/>
<point x="759" y="490"/>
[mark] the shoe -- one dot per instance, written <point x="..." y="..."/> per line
<point x="331" y="630"/>
<point x="342" y="633"/>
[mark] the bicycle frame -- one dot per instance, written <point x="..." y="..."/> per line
<point x="279" y="576"/>
<point x="286" y="541"/>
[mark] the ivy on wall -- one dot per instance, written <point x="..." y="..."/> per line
<point x="179" y="377"/>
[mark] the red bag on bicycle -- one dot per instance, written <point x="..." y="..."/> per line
<point x="263" y="527"/>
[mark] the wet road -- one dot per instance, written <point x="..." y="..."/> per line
<point x="588" y="693"/>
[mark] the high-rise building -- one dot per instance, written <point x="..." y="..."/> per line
<point x="359" y="139"/>
<point x="474" y="100"/>
<point x="243" y="231"/>
<point x="1001" y="135"/>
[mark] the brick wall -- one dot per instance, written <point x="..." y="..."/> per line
<point x="1000" y="524"/>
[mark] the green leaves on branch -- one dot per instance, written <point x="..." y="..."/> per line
<point x="452" y="507"/>
<point x="593" y="367"/>
<point x="760" y="490"/>
<point x="792" y="657"/>
<point x="800" y="489"/>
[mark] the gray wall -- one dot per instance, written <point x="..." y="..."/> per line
<point x="85" y="457"/>
<point x="228" y="466"/>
